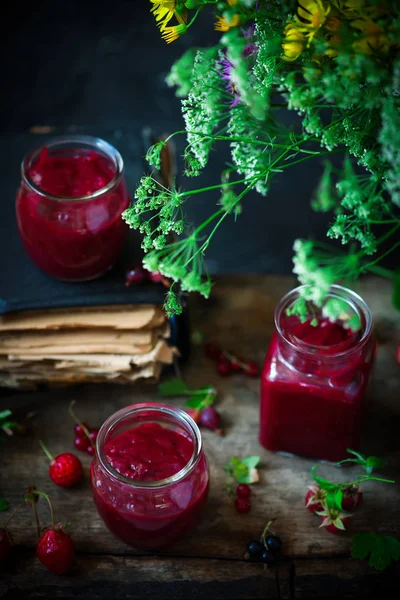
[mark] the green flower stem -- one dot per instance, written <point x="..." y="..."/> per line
<point x="372" y="263"/>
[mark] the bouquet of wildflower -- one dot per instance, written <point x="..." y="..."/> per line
<point x="334" y="62"/>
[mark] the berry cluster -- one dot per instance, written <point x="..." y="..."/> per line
<point x="85" y="438"/>
<point x="229" y="363"/>
<point x="333" y="519"/>
<point x="267" y="550"/>
<point x="242" y="500"/>
<point x="138" y="275"/>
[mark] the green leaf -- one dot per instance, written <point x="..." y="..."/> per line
<point x="4" y="414"/>
<point x="251" y="461"/>
<point x="174" y="387"/>
<point x="396" y="289"/>
<point x="3" y="504"/>
<point x="381" y="549"/>
<point x="338" y="498"/>
<point x="199" y="401"/>
<point x="373" y="462"/>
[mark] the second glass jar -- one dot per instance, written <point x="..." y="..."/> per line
<point x="69" y="206"/>
<point x="315" y="376"/>
<point x="150" y="476"/>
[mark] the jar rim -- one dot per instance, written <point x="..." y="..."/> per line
<point x="91" y="141"/>
<point x="173" y="411"/>
<point x="335" y="290"/>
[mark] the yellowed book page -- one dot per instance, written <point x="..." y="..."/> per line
<point x="88" y="341"/>
<point x="121" y="317"/>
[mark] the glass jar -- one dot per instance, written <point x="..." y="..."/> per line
<point x="69" y="206"/>
<point x="149" y="476"/>
<point x="315" y="376"/>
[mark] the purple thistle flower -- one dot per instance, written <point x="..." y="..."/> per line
<point x="226" y="69"/>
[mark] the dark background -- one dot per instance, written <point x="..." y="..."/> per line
<point x="99" y="68"/>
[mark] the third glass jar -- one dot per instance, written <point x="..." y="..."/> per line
<point x="315" y="376"/>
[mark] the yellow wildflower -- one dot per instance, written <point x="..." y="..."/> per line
<point x="171" y="33"/>
<point x="223" y="25"/>
<point x="294" y="43"/>
<point x="164" y="10"/>
<point x="311" y="15"/>
<point x="232" y="2"/>
<point x="374" y="38"/>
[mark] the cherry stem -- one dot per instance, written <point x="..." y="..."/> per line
<point x="46" y="496"/>
<point x="266" y="528"/>
<point x="12" y="515"/>
<point x="47" y="453"/>
<point x="78" y="422"/>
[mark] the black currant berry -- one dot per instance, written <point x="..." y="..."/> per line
<point x="267" y="557"/>
<point x="255" y="549"/>
<point x="274" y="544"/>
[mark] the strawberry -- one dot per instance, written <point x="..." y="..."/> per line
<point x="352" y="497"/>
<point x="65" y="469"/>
<point x="315" y="498"/>
<point x="5" y="544"/>
<point x="56" y="550"/>
<point x="334" y="520"/>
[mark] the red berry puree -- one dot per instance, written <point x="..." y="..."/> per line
<point x="150" y="517"/>
<point x="313" y="384"/>
<point x="67" y="238"/>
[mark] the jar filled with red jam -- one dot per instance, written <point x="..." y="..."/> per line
<point x="69" y="207"/>
<point x="315" y="376"/>
<point x="150" y="476"/>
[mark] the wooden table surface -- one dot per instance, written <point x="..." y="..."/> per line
<point x="210" y="562"/>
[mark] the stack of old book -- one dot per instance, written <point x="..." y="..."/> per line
<point x="70" y="345"/>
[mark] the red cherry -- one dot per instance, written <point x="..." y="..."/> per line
<point x="251" y="369"/>
<point x="155" y="277"/>
<point x="81" y="443"/>
<point x="66" y="470"/>
<point x="242" y="505"/>
<point x="243" y="491"/>
<point x="213" y="351"/>
<point x="224" y="367"/>
<point x="136" y="276"/>
<point x="79" y="431"/>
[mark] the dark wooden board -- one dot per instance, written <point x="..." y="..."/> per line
<point x="238" y="316"/>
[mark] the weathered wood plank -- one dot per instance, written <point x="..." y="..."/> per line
<point x="97" y="577"/>
<point x="342" y="578"/>
<point x="238" y="316"/>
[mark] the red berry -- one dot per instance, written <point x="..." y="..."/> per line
<point x="352" y="498"/>
<point x="155" y="277"/>
<point x="213" y="351"/>
<point x="195" y="414"/>
<point x="81" y="443"/>
<point x="333" y="529"/>
<point x="91" y="450"/>
<point x="243" y="491"/>
<point x="251" y="369"/>
<point x="79" y="431"/>
<point x="5" y="544"/>
<point x="93" y="433"/>
<point x="314" y="498"/>
<point x="242" y="505"/>
<point x="209" y="418"/>
<point x="56" y="550"/>
<point x="65" y="469"/>
<point x="334" y="520"/>
<point x="136" y="276"/>
<point x="224" y="367"/>
<point x="236" y="363"/>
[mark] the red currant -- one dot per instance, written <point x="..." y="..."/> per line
<point x="243" y="491"/>
<point x="242" y="505"/>
<point x="79" y="431"/>
<point x="213" y="351"/>
<point x="81" y="443"/>
<point x="251" y="369"/>
<point x="93" y="433"/>
<point x="90" y="450"/>
<point x="224" y="367"/>
<point x="136" y="276"/>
